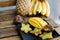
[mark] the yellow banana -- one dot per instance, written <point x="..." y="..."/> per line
<point x="35" y="7"/>
<point x="39" y="7"/>
<point x="43" y="8"/>
<point x="47" y="9"/>
<point x="34" y="23"/>
<point x="31" y="7"/>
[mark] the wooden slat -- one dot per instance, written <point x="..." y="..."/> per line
<point x="7" y="2"/>
<point x="12" y="38"/>
<point x="6" y="23"/>
<point x="8" y="31"/>
<point x="8" y="12"/>
<point x="51" y="22"/>
<point x="58" y="30"/>
<point x="58" y="38"/>
<point x="7" y="15"/>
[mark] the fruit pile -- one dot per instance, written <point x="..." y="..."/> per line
<point x="34" y="25"/>
<point x="31" y="7"/>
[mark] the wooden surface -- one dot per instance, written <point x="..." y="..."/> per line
<point x="6" y="23"/>
<point x="4" y="32"/>
<point x="51" y="22"/>
<point x="12" y="38"/>
<point x="7" y="17"/>
<point x="7" y="2"/>
<point x="8" y="31"/>
<point x="6" y="20"/>
<point x="58" y="38"/>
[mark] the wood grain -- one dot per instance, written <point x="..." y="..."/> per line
<point x="51" y="22"/>
<point x="6" y="23"/>
<point x="7" y="15"/>
<point x="17" y="39"/>
<point x="12" y="11"/>
<point x="58" y="38"/>
<point x="8" y="31"/>
<point x="12" y="38"/>
<point x="7" y="2"/>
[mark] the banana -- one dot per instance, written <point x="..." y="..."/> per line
<point x="47" y="9"/>
<point x="36" y="7"/>
<point x="34" y="23"/>
<point x="43" y="8"/>
<point x="39" y="7"/>
<point x="31" y="7"/>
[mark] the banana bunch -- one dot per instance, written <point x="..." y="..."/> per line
<point x="31" y="7"/>
<point x="37" y="22"/>
<point x="40" y="6"/>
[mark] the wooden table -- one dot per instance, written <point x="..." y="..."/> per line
<point x="12" y="38"/>
<point x="10" y="33"/>
<point x="7" y="30"/>
<point x="7" y="2"/>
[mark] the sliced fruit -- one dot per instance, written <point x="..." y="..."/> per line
<point x="36" y="31"/>
<point x="46" y="35"/>
<point x="37" y="22"/>
<point x="34" y="23"/>
<point x="40" y="21"/>
<point x="25" y="28"/>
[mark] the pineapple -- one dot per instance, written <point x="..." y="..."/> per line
<point x="23" y="6"/>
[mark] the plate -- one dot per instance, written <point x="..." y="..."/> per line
<point x="30" y="36"/>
